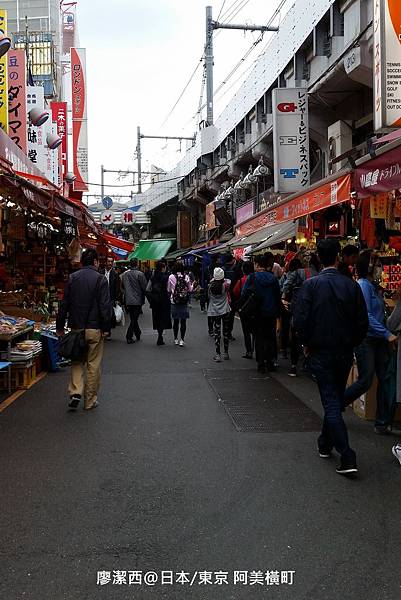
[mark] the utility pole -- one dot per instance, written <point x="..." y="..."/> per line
<point x="139" y="158"/>
<point x="210" y="27"/>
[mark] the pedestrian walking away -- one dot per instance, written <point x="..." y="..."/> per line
<point x="159" y="300"/>
<point x="134" y="284"/>
<point x="219" y="310"/>
<point x="264" y="286"/>
<point x="249" y="338"/>
<point x="374" y="353"/>
<point x="331" y="318"/>
<point x="86" y="305"/>
<point x="179" y="287"/>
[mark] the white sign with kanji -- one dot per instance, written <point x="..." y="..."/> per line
<point x="127" y="217"/>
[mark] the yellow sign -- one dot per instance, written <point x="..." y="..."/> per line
<point x="3" y="77"/>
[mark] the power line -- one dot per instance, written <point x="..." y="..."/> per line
<point x="222" y="6"/>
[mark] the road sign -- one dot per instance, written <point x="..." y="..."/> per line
<point x="107" y="217"/>
<point x="107" y="202"/>
<point x="127" y="217"/>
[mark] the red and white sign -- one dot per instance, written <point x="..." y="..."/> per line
<point x="387" y="63"/>
<point x="59" y="116"/>
<point x="127" y="217"/>
<point x="79" y="118"/>
<point x="107" y="217"/>
<point x="35" y="96"/>
<point x="17" y="114"/>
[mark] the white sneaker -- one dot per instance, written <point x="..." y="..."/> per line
<point x="175" y="342"/>
<point x="397" y="452"/>
<point x="182" y="343"/>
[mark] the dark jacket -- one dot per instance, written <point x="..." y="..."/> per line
<point x="268" y="289"/>
<point x="330" y="314"/>
<point x="114" y="285"/>
<point x="159" y="301"/>
<point x="84" y="308"/>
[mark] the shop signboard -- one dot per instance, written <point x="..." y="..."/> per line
<point x="3" y="76"/>
<point x="59" y="116"/>
<point x="210" y="216"/>
<point x="290" y="139"/>
<point x="35" y="96"/>
<point x="79" y="119"/>
<point x="245" y="212"/>
<point x="17" y="114"/>
<point x="328" y="194"/>
<point x="387" y="63"/>
<point x="381" y="174"/>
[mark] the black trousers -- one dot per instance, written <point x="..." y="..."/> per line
<point x="217" y="321"/>
<point x="249" y="339"/>
<point x="265" y="340"/>
<point x="134" y="329"/>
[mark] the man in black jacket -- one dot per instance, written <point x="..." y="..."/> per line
<point x="87" y="305"/>
<point x="113" y="279"/>
<point x="331" y="319"/>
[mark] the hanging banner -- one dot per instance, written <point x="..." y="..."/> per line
<point x="387" y="63"/>
<point x="381" y="174"/>
<point x="17" y="113"/>
<point x="3" y="77"/>
<point x="210" y="216"/>
<point x="290" y="139"/>
<point x="379" y="206"/>
<point x="59" y="116"/>
<point x="79" y="118"/>
<point x="35" y="96"/>
<point x="328" y="194"/>
<point x="51" y="156"/>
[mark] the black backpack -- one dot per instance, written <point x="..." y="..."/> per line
<point x="181" y="291"/>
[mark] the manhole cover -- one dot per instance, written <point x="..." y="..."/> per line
<point x="261" y="403"/>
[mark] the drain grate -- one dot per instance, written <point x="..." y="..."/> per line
<point x="260" y="403"/>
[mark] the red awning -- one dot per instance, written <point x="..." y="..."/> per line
<point x="381" y="174"/>
<point x="112" y="240"/>
<point x="390" y="137"/>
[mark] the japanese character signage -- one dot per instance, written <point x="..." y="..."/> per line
<point x="382" y="174"/>
<point x="51" y="156"/>
<point x="326" y="195"/>
<point x="36" y="136"/>
<point x="127" y="217"/>
<point x="17" y="114"/>
<point x="69" y="226"/>
<point x="107" y="217"/>
<point x="3" y="77"/>
<point x="79" y="118"/>
<point x="59" y="116"/>
<point x="387" y="63"/>
<point x="290" y="139"/>
<point x="379" y="206"/>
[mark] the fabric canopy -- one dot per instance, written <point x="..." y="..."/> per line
<point x="255" y="238"/>
<point x="152" y="249"/>
<point x="277" y="234"/>
<point x="112" y="240"/>
<point x="390" y="137"/>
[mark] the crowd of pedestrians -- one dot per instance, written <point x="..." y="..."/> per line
<point x="319" y="309"/>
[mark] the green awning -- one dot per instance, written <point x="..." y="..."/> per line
<point x="151" y="249"/>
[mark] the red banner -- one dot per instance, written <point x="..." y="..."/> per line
<point x="79" y="119"/>
<point x="326" y="195"/>
<point x="382" y="174"/>
<point x="17" y="109"/>
<point x="59" y="116"/>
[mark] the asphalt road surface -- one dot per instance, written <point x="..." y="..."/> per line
<point x="159" y="479"/>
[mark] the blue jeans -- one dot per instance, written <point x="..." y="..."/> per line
<point x="331" y="372"/>
<point x="372" y="356"/>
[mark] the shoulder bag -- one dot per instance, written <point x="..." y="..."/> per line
<point x="73" y="346"/>
<point x="250" y="307"/>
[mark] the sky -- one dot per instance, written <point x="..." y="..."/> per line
<point x="140" y="56"/>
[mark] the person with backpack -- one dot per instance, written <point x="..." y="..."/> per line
<point x="261" y="303"/>
<point x="134" y="284"/>
<point x="179" y="287"/>
<point x="219" y="310"/>
<point x="295" y="278"/>
<point x="249" y="338"/>
<point x="159" y="300"/>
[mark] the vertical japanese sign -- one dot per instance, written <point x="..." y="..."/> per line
<point x="79" y="118"/>
<point x="35" y="96"/>
<point x="3" y="77"/>
<point x="387" y="63"/>
<point x="290" y="139"/>
<point x="51" y="156"/>
<point x="17" y="98"/>
<point x="59" y="116"/>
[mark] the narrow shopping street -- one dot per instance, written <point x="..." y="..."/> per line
<point x="158" y="478"/>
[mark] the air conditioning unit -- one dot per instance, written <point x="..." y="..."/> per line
<point x="339" y="141"/>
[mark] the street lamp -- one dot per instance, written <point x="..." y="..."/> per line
<point x="53" y="141"/>
<point x="38" y="116"/>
